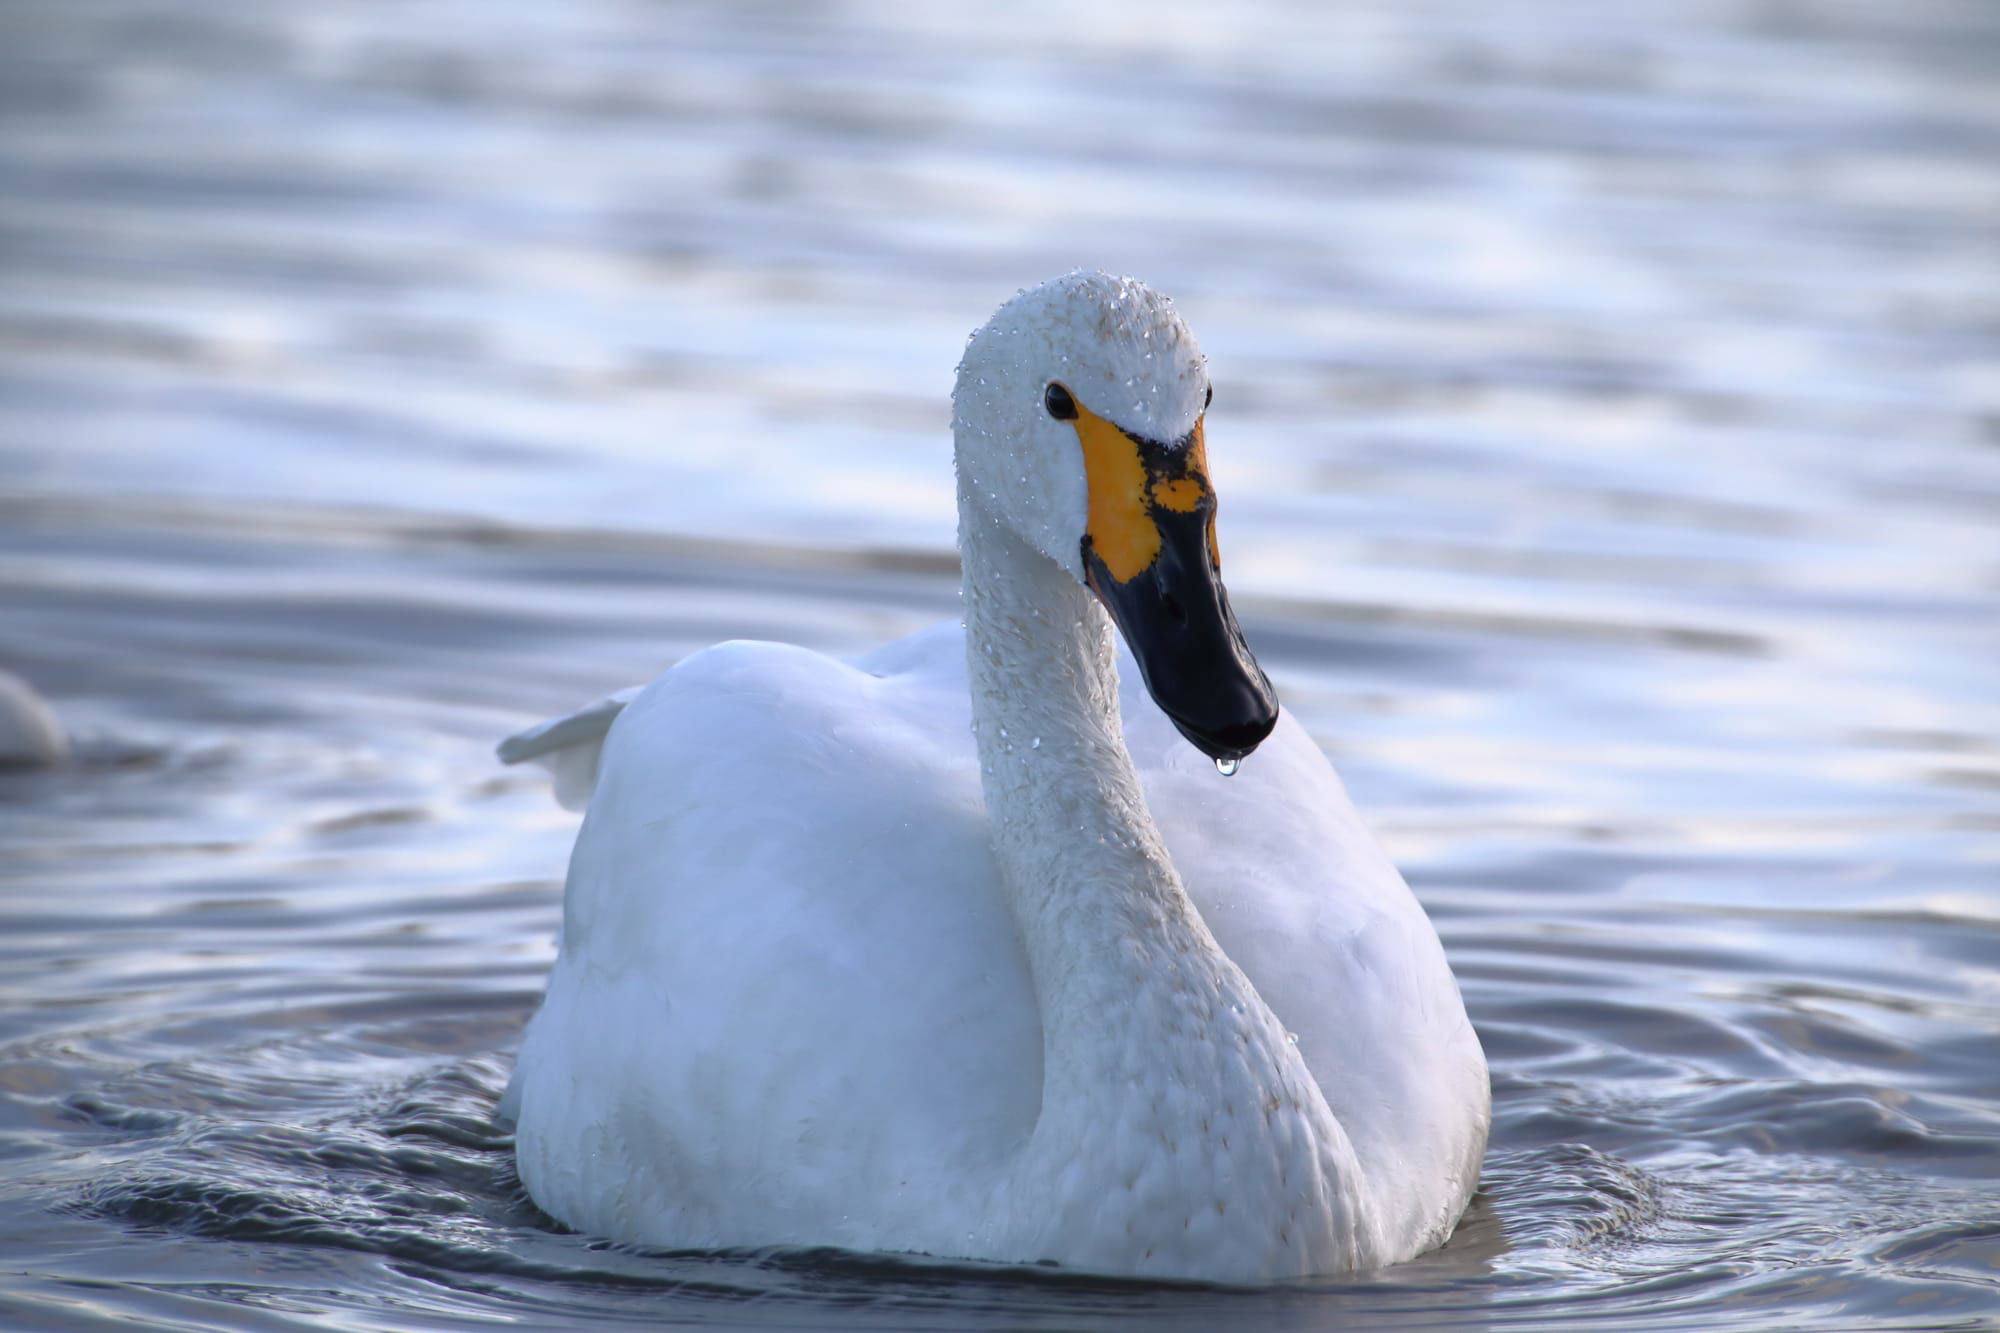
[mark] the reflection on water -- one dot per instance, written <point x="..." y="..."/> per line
<point x="1606" y="434"/>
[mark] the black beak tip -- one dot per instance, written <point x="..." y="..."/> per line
<point x="1175" y="616"/>
<point x="1227" y="742"/>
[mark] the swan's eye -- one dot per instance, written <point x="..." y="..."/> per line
<point x="1209" y="399"/>
<point x="1061" y="406"/>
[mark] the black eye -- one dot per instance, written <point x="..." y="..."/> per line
<point x="1211" y="398"/>
<point x="1061" y="406"/>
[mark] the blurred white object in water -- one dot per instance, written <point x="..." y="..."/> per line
<point x="30" y="735"/>
<point x="848" y="959"/>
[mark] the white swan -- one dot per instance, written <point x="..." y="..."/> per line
<point x="832" y="973"/>
<point x="30" y="735"/>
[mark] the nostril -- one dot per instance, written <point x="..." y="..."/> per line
<point x="1172" y="606"/>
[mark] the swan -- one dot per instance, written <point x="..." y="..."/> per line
<point x="30" y="735"/>
<point x="965" y="948"/>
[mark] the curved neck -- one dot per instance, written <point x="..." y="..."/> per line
<point x="1158" y="1054"/>
<point x="1074" y="840"/>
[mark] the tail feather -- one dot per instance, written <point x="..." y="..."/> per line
<point x="569" y="747"/>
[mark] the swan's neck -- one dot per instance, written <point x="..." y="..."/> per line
<point x="1080" y="857"/>
<point x="1176" y="1115"/>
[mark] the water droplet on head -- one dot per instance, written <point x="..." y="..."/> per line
<point x="1035" y="744"/>
<point x="1226" y="767"/>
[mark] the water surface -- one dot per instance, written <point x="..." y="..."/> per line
<point x="1608" y="435"/>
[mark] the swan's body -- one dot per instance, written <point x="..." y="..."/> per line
<point x="836" y="971"/>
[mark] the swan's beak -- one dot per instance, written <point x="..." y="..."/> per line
<point x="1149" y="554"/>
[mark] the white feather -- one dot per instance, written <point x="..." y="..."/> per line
<point x="569" y="747"/>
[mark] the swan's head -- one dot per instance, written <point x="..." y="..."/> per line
<point x="1078" y="417"/>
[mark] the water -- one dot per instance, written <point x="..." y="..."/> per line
<point x="1608" y="438"/>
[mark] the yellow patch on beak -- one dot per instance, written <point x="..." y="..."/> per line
<point x="1128" y="481"/>
<point x="1181" y="496"/>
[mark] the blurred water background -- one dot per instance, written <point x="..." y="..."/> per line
<point x="1608" y="434"/>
